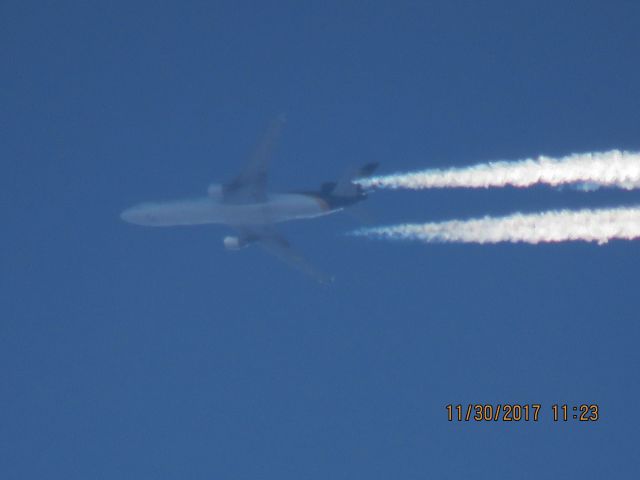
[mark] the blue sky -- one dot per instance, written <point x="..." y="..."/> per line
<point x="141" y="353"/>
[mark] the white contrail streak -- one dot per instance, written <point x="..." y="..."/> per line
<point x="552" y="226"/>
<point x="614" y="168"/>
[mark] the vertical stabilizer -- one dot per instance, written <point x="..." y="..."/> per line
<point x="345" y="187"/>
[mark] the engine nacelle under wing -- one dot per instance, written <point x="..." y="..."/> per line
<point x="234" y="243"/>
<point x="214" y="191"/>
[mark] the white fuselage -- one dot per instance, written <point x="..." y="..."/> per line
<point x="207" y="210"/>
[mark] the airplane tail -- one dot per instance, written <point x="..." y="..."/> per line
<point x="346" y="187"/>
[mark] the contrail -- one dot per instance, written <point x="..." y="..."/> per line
<point x="552" y="226"/>
<point x="614" y="168"/>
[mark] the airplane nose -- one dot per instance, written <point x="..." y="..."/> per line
<point x="128" y="215"/>
<point x="140" y="215"/>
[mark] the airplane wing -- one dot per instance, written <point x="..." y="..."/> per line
<point x="250" y="185"/>
<point x="274" y="243"/>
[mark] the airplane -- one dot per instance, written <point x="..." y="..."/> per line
<point x="245" y="205"/>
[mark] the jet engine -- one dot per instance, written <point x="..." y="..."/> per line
<point x="214" y="191"/>
<point x="234" y="243"/>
